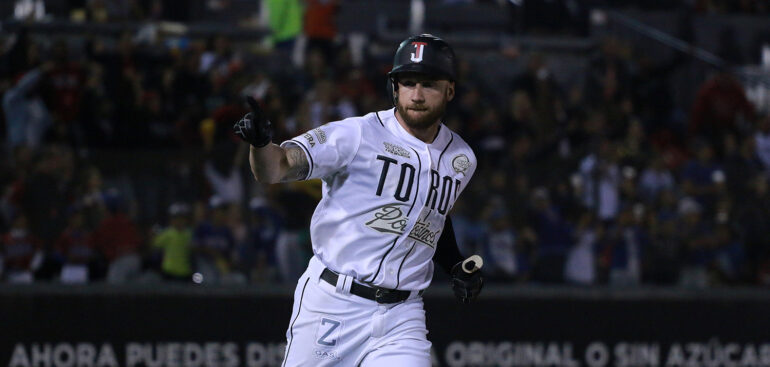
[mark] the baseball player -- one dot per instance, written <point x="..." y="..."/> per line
<point x="390" y="179"/>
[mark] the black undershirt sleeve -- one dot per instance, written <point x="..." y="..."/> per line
<point x="447" y="253"/>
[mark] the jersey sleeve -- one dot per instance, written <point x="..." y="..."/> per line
<point x="471" y="169"/>
<point x="330" y="147"/>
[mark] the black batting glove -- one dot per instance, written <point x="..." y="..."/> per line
<point x="466" y="283"/>
<point x="254" y="128"/>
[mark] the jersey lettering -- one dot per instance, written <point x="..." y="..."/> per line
<point x="404" y="168"/>
<point x="446" y="188"/>
<point x="405" y="180"/>
<point x="385" y="165"/>
<point x="433" y="192"/>
<point x="446" y="192"/>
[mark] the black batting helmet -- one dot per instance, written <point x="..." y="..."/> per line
<point x="427" y="54"/>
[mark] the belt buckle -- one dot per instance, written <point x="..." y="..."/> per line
<point x="383" y="295"/>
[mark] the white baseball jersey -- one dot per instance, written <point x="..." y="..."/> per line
<point x="386" y="195"/>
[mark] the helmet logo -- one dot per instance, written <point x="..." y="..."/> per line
<point x="418" y="49"/>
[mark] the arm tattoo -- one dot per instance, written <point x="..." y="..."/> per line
<point x="298" y="165"/>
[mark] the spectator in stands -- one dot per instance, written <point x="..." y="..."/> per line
<point x="608" y="74"/>
<point x="623" y="247"/>
<point x="285" y="21"/>
<point x="655" y="178"/>
<point x="629" y="190"/>
<point x="520" y="115"/>
<point x="701" y="175"/>
<point x="26" y="114"/>
<point x="580" y="267"/>
<point x="258" y="251"/>
<point x="95" y="109"/>
<point x="546" y="97"/>
<point x="66" y="81"/>
<point x="17" y="171"/>
<point x="469" y="229"/>
<point x="48" y="192"/>
<point x="213" y="243"/>
<point x="175" y="244"/>
<point x="320" y="26"/>
<point x="664" y="257"/>
<point x="90" y="197"/>
<point x="118" y="241"/>
<point x="75" y="249"/>
<point x="324" y="104"/>
<point x="292" y="254"/>
<point x="501" y="247"/>
<point x="20" y="252"/>
<point x="492" y="142"/>
<point x="720" y="108"/>
<point x="634" y="149"/>
<point x="698" y="240"/>
<point x="554" y="238"/>
<point x="601" y="176"/>
<point x="217" y="57"/>
<point x="157" y="120"/>
<point x="729" y="264"/>
<point x="223" y="172"/>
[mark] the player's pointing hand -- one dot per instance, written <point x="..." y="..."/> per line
<point x="254" y="128"/>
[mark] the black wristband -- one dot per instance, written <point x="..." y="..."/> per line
<point x="447" y="253"/>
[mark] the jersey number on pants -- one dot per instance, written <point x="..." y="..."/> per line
<point x="407" y="175"/>
<point x="328" y="327"/>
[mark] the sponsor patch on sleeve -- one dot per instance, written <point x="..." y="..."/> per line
<point x="320" y="135"/>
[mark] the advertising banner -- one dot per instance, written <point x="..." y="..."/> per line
<point x="231" y="329"/>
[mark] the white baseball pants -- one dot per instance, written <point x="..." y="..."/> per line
<point x="331" y="327"/>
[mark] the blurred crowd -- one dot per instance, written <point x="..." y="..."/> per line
<point x="121" y="165"/>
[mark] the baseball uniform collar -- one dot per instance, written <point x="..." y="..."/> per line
<point x="389" y="121"/>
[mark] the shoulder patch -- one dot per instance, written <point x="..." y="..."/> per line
<point x="461" y="163"/>
<point x="320" y="134"/>
<point x="397" y="150"/>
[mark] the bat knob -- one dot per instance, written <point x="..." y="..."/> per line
<point x="472" y="264"/>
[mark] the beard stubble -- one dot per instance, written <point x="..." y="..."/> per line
<point x="426" y="120"/>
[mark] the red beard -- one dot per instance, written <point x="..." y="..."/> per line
<point x="425" y="120"/>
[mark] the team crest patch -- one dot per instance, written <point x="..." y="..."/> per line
<point x="397" y="150"/>
<point x="461" y="163"/>
<point x="320" y="134"/>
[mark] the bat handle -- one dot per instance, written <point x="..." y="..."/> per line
<point x="472" y="264"/>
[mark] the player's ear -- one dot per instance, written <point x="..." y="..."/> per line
<point x="392" y="90"/>
<point x="450" y="91"/>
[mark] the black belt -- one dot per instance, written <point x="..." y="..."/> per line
<point x="381" y="295"/>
